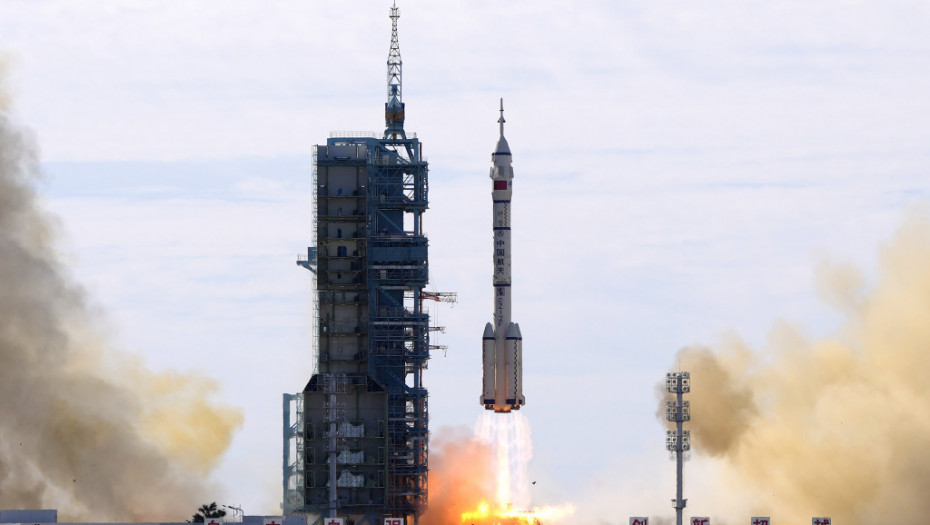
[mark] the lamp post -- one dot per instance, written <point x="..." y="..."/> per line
<point x="678" y="440"/>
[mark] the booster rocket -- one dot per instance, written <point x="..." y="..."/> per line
<point x="502" y="343"/>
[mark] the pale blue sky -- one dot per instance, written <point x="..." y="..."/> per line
<point x="680" y="169"/>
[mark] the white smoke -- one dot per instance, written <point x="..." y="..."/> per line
<point x="83" y="428"/>
<point x="832" y="427"/>
<point x="509" y="437"/>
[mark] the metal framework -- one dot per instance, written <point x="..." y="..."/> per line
<point x="395" y="74"/>
<point x="371" y="265"/>
<point x="356" y="438"/>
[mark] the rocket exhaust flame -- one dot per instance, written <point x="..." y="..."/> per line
<point x="82" y="428"/>
<point x="460" y="470"/>
<point x="509" y="439"/>
<point x="834" y="427"/>
<point x="536" y="516"/>
<point x="481" y="479"/>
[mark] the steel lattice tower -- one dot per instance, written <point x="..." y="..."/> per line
<point x="356" y="438"/>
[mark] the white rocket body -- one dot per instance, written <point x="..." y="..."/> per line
<point x="502" y="343"/>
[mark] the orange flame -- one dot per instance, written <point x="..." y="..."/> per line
<point x="483" y="511"/>
<point x="466" y="474"/>
<point x="512" y="516"/>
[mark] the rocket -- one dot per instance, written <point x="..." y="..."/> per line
<point x="502" y="343"/>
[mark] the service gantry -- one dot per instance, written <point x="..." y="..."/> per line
<point x="356" y="438"/>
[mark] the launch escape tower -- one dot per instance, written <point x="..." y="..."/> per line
<point x="356" y="438"/>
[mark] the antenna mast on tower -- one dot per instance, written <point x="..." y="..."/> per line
<point x="394" y="107"/>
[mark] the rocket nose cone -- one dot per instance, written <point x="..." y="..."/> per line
<point x="502" y="147"/>
<point x="513" y="331"/>
<point x="488" y="331"/>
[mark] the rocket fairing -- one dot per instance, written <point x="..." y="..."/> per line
<point x="502" y="343"/>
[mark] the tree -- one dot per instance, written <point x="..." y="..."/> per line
<point x="207" y="511"/>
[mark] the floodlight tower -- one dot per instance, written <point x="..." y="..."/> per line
<point x="678" y="440"/>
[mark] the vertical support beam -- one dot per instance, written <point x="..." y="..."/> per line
<point x="679" y="460"/>
<point x="286" y="452"/>
<point x="333" y="453"/>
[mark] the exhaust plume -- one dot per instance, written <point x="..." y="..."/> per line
<point x="461" y="476"/>
<point x="509" y="436"/>
<point x="836" y="427"/>
<point x="481" y="479"/>
<point x="84" y="428"/>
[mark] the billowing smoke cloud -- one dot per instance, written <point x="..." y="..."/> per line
<point x="836" y="427"/>
<point x="84" y="428"/>
<point x="461" y="476"/>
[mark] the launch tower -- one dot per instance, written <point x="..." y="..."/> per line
<point x="355" y="439"/>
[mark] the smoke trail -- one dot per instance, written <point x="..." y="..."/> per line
<point x="836" y="427"/>
<point x="83" y="428"/>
